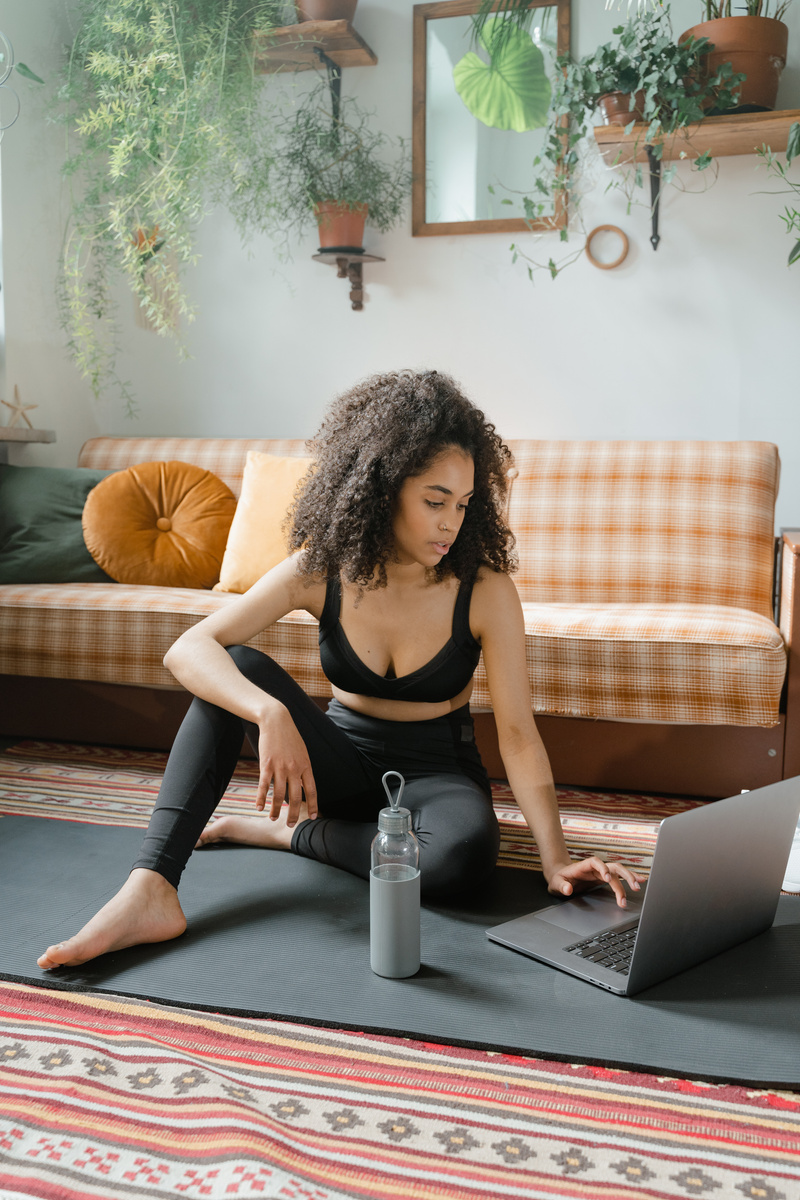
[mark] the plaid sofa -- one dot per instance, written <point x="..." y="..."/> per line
<point x="646" y="575"/>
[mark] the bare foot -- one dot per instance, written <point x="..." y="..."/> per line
<point x="145" y="909"/>
<point x="252" y="831"/>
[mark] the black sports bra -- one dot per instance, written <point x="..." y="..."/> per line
<point x="447" y="673"/>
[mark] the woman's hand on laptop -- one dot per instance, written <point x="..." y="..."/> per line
<point x="588" y="872"/>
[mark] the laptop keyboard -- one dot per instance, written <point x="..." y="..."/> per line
<point x="612" y="949"/>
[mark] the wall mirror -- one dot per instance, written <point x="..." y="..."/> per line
<point x="466" y="167"/>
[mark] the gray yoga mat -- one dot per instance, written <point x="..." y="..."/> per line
<point x="274" y="935"/>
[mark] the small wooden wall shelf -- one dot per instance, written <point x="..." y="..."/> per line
<point x="19" y="433"/>
<point x="350" y="268"/>
<point x="297" y="47"/>
<point x="740" y="133"/>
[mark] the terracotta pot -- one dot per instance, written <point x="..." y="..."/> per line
<point x="340" y="228"/>
<point x="620" y="108"/>
<point x="326" y="10"/>
<point x="754" y="45"/>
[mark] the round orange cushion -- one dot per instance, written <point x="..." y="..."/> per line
<point x="160" y="523"/>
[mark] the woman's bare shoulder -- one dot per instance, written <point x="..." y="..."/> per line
<point x="493" y="583"/>
<point x="286" y="587"/>
<point x="307" y="589"/>
<point x="494" y="599"/>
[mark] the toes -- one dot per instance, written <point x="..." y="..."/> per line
<point x="54" y="956"/>
<point x="209" y="834"/>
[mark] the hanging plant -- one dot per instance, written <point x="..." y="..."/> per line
<point x="166" y="120"/>
<point x="667" y="86"/>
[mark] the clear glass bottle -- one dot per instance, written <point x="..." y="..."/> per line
<point x="394" y="915"/>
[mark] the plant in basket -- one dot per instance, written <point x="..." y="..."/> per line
<point x="333" y="164"/>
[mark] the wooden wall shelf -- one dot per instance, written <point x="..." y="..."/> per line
<point x="296" y="47"/>
<point x="350" y="268"/>
<point x="740" y="133"/>
<point x="20" y="433"/>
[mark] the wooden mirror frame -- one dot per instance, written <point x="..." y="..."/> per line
<point x="419" y="226"/>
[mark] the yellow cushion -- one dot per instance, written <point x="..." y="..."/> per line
<point x="256" y="541"/>
<point x="159" y="523"/>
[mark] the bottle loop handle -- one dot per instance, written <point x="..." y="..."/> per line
<point x="394" y="802"/>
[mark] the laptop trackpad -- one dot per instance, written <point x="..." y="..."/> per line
<point x="589" y="913"/>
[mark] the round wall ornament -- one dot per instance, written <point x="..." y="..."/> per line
<point x="615" y="233"/>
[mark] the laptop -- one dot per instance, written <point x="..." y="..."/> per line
<point x="715" y="882"/>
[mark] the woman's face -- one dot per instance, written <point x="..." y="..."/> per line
<point x="430" y="508"/>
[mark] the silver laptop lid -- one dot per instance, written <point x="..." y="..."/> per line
<point x="716" y="877"/>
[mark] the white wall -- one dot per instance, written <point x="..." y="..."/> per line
<point x="695" y="340"/>
<point x="33" y="218"/>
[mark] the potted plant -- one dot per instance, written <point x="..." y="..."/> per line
<point x="326" y="10"/>
<point x="166" y="119"/>
<point x="644" y="78"/>
<point x="334" y="168"/>
<point x="754" y="42"/>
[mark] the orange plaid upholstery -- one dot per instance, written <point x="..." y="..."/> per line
<point x="645" y="522"/>
<point x="119" y="633"/>
<point x="646" y="579"/>
<point x="687" y="663"/>
<point x="789" y="583"/>
<point x="226" y="457"/>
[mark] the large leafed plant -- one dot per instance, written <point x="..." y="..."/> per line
<point x="166" y="119"/>
<point x="511" y="90"/>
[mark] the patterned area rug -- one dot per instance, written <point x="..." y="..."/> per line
<point x="104" y="1097"/>
<point x="118" y="787"/>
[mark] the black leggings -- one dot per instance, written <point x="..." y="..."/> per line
<point x="447" y="789"/>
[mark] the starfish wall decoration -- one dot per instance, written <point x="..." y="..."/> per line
<point x="19" y="411"/>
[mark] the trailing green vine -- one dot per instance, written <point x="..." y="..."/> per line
<point x="780" y="171"/>
<point x="166" y="119"/>
<point x="664" y="78"/>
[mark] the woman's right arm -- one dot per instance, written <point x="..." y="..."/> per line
<point x="199" y="660"/>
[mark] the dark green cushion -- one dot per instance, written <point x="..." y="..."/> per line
<point x="41" y="540"/>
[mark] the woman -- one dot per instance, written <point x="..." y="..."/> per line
<point x="402" y="553"/>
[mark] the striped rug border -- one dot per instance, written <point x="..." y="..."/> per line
<point x="117" y="786"/>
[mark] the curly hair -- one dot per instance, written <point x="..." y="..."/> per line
<point x="374" y="437"/>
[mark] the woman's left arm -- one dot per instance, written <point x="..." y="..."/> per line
<point x="496" y="618"/>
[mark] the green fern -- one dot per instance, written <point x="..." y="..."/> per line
<point x="165" y="119"/>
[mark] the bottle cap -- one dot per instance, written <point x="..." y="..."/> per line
<point x="394" y="819"/>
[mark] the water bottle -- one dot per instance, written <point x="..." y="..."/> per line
<point x="394" y="890"/>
